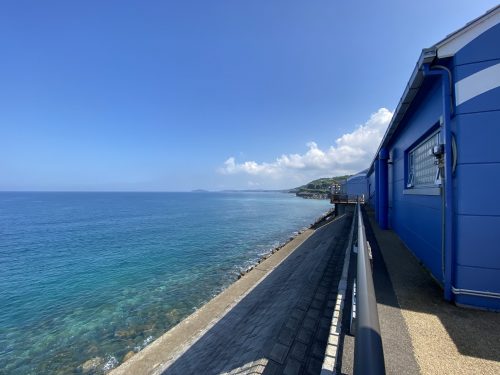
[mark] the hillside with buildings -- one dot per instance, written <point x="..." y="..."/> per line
<point x="318" y="189"/>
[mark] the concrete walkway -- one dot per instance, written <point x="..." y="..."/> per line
<point x="279" y="326"/>
<point x="430" y="335"/>
<point x="398" y="349"/>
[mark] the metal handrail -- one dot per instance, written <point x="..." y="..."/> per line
<point x="368" y="351"/>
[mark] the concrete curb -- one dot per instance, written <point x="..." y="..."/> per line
<point x="332" y="346"/>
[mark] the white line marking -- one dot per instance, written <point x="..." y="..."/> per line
<point x="331" y="352"/>
<point x="477" y="84"/>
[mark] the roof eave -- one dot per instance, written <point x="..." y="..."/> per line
<point x="412" y="87"/>
<point x="443" y="49"/>
<point x="461" y="37"/>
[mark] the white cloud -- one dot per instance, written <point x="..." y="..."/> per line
<point x="351" y="153"/>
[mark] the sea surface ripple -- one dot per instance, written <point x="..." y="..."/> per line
<point x="86" y="278"/>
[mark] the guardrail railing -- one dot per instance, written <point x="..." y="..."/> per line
<point x="368" y="351"/>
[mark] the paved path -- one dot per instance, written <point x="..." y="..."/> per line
<point x="282" y="325"/>
<point x="398" y="350"/>
<point x="446" y="339"/>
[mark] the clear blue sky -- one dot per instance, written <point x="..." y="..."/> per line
<point x="179" y="95"/>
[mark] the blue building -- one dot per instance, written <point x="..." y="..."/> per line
<point x="436" y="177"/>
<point x="356" y="185"/>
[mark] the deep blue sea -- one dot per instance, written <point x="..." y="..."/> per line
<point x="97" y="275"/>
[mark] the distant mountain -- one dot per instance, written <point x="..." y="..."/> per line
<point x="318" y="189"/>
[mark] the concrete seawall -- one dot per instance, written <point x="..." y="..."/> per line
<point x="274" y="317"/>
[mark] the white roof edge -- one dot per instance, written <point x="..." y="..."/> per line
<point x="445" y="48"/>
<point x="426" y="56"/>
<point x="454" y="42"/>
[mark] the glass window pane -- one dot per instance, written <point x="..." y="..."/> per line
<point x="421" y="163"/>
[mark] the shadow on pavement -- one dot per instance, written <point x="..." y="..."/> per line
<point x="282" y="323"/>
<point x="475" y="333"/>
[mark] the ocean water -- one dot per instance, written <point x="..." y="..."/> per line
<point x="93" y="276"/>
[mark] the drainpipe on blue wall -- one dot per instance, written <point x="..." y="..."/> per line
<point x="383" y="188"/>
<point x="448" y="175"/>
<point x="377" y="191"/>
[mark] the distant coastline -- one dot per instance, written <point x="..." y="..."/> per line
<point x="304" y="191"/>
<point x="299" y="193"/>
<point x="241" y="191"/>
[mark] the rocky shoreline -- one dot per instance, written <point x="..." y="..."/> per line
<point x="174" y="341"/>
<point x="323" y="219"/>
<point x="308" y="195"/>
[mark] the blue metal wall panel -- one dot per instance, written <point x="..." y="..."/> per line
<point x="478" y="136"/>
<point x="423" y="217"/>
<point x="417" y="218"/>
<point x="419" y="121"/>
<point x="481" y="103"/>
<point x="479" y="54"/>
<point x="419" y="228"/>
<point x="477" y="190"/>
<point x="484" y="279"/>
<point x="398" y="172"/>
<point x="478" y="237"/>
<point x="463" y="71"/>
<point x="477" y="207"/>
<point x="484" y="47"/>
<point x="357" y="186"/>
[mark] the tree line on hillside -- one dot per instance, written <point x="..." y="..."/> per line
<point x="318" y="189"/>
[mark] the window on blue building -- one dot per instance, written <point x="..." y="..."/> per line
<point x="422" y="168"/>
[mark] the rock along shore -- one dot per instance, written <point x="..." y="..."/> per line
<point x="165" y="349"/>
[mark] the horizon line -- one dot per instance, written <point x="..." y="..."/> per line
<point x="145" y="191"/>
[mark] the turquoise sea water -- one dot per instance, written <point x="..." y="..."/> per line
<point x="97" y="275"/>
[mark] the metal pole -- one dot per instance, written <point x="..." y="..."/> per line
<point x="368" y="351"/>
<point x="446" y="89"/>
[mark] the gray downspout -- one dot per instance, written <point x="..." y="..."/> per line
<point x="445" y="75"/>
